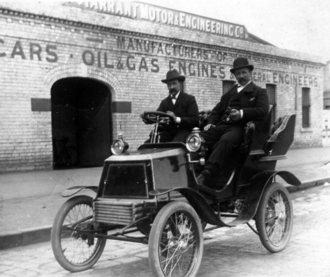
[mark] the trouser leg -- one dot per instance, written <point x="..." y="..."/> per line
<point x="181" y="136"/>
<point x="224" y="140"/>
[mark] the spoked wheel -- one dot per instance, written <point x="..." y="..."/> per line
<point x="73" y="249"/>
<point x="175" y="241"/>
<point x="275" y="218"/>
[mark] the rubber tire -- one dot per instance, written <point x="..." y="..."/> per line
<point x="261" y="217"/>
<point x="56" y="236"/>
<point x="157" y="229"/>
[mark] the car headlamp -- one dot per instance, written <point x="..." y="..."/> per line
<point x="119" y="145"/>
<point x="194" y="141"/>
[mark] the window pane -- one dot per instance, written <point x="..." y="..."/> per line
<point x="305" y="117"/>
<point x="305" y="107"/>
<point x="271" y="91"/>
<point x="305" y="97"/>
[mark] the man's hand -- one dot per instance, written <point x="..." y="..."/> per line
<point x="235" y="115"/>
<point x="142" y="116"/>
<point x="172" y="114"/>
<point x="208" y="126"/>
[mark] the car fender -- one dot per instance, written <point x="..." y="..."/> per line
<point x="252" y="198"/>
<point x="258" y="184"/>
<point x="198" y="202"/>
<point x="74" y="190"/>
<point x="266" y="176"/>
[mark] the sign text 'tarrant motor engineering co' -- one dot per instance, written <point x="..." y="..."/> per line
<point x="138" y="10"/>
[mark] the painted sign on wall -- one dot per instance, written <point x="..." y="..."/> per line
<point x="129" y="53"/>
<point x="142" y="11"/>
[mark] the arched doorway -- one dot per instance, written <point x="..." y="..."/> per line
<point x="81" y="122"/>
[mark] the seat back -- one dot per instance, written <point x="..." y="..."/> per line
<point x="249" y="130"/>
<point x="282" y="135"/>
<point x="262" y="131"/>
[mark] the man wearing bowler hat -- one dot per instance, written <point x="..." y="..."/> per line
<point x="225" y="126"/>
<point x="181" y="106"/>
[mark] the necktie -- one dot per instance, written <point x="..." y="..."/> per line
<point x="173" y="99"/>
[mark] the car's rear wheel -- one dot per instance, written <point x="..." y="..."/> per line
<point x="74" y="248"/>
<point x="176" y="241"/>
<point x="275" y="218"/>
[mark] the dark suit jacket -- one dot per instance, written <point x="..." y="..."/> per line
<point x="253" y="100"/>
<point x="185" y="107"/>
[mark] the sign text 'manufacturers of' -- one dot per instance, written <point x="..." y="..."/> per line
<point x="142" y="11"/>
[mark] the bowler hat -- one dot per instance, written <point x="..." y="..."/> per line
<point x="173" y="75"/>
<point x="241" y="63"/>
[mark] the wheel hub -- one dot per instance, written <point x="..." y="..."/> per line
<point x="271" y="216"/>
<point x="183" y="244"/>
<point x="82" y="227"/>
<point x="279" y="212"/>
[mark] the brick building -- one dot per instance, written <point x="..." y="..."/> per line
<point x="74" y="75"/>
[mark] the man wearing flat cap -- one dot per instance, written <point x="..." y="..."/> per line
<point x="225" y="125"/>
<point x="181" y="106"/>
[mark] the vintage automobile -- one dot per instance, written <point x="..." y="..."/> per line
<point x="151" y="196"/>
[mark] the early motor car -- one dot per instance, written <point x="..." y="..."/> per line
<point x="151" y="196"/>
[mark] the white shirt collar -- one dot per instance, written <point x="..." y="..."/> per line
<point x="240" y="88"/>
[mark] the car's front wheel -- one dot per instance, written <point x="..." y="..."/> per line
<point x="74" y="247"/>
<point x="176" y="241"/>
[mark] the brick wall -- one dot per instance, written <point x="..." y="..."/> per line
<point x="37" y="51"/>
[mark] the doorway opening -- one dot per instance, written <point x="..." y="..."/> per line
<point x="81" y="122"/>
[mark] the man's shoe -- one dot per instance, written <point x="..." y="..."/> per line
<point x="203" y="178"/>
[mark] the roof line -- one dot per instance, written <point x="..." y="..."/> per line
<point x="260" y="40"/>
